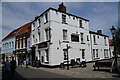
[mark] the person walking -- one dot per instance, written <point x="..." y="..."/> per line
<point x="13" y="66"/>
<point x="7" y="68"/>
<point x="27" y="63"/>
<point x="21" y="63"/>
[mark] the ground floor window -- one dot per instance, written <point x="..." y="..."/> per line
<point x="65" y="54"/>
<point x="42" y="59"/>
<point x="95" y="53"/>
<point x="47" y="55"/>
<point x="106" y="53"/>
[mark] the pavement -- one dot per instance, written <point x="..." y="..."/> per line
<point x="76" y="72"/>
<point x="79" y="72"/>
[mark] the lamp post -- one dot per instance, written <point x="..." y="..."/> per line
<point x="113" y="30"/>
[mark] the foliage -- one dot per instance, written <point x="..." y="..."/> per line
<point x="117" y="40"/>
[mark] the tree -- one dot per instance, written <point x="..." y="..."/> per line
<point x="117" y="40"/>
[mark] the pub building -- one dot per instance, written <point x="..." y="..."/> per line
<point x="54" y="29"/>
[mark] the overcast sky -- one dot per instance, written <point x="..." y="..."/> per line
<point x="102" y="15"/>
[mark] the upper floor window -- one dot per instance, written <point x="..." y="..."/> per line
<point x="74" y="38"/>
<point x="9" y="44"/>
<point x="83" y="53"/>
<point x="80" y="24"/>
<point x="33" y="39"/>
<point x="12" y="44"/>
<point x="17" y="44"/>
<point x="47" y="34"/>
<point x="63" y="18"/>
<point x="24" y="42"/>
<point x="94" y="39"/>
<point x="87" y="38"/>
<point x="39" y="36"/>
<point x="105" y="41"/>
<point x="33" y="24"/>
<point x="39" y="21"/>
<point x="82" y="38"/>
<point x="64" y="34"/>
<point x="46" y="18"/>
<point x="3" y="45"/>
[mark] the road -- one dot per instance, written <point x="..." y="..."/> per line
<point x="35" y="73"/>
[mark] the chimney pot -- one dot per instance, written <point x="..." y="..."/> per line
<point x="62" y="8"/>
<point x="99" y="31"/>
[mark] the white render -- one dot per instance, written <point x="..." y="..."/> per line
<point x="8" y="49"/>
<point x="101" y="46"/>
<point x="56" y="44"/>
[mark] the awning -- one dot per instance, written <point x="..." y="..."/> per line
<point x="9" y="55"/>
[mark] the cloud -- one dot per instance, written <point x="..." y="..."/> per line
<point x="101" y="15"/>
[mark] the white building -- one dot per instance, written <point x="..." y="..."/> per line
<point x="8" y="45"/>
<point x="99" y="45"/>
<point x="54" y="29"/>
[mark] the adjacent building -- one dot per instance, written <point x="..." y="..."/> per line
<point x="8" y="45"/>
<point x="54" y="29"/>
<point x="21" y="41"/>
<point x="15" y="43"/>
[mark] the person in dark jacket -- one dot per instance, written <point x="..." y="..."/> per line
<point x="13" y="66"/>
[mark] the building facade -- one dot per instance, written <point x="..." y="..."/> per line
<point x="21" y="41"/>
<point x="8" y="45"/>
<point x="54" y="29"/>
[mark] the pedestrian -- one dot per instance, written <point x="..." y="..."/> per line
<point x="7" y="66"/>
<point x="27" y="63"/>
<point x="83" y="63"/>
<point x="13" y="66"/>
<point x="3" y="70"/>
<point x="21" y="63"/>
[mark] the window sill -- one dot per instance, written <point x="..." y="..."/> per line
<point x="66" y="41"/>
<point x="81" y="27"/>
<point x="106" y="57"/>
<point x="82" y="43"/>
<point x="64" y="23"/>
<point x="46" y="62"/>
<point x="97" y="58"/>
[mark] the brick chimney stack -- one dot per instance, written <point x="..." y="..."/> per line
<point x="99" y="31"/>
<point x="62" y="8"/>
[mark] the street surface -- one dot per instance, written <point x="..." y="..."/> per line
<point x="36" y="73"/>
<point x="76" y="72"/>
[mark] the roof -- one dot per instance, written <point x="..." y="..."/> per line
<point x="11" y="34"/>
<point x="62" y="12"/>
<point x="24" y="28"/>
<point x="110" y="42"/>
<point x="18" y="31"/>
<point x="91" y="32"/>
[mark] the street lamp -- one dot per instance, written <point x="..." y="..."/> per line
<point x="113" y="30"/>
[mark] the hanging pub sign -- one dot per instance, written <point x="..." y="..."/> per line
<point x="42" y="45"/>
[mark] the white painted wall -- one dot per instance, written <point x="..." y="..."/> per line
<point x="8" y="49"/>
<point x="100" y="45"/>
<point x="56" y="55"/>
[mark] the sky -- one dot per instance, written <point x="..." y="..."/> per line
<point x="102" y="15"/>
